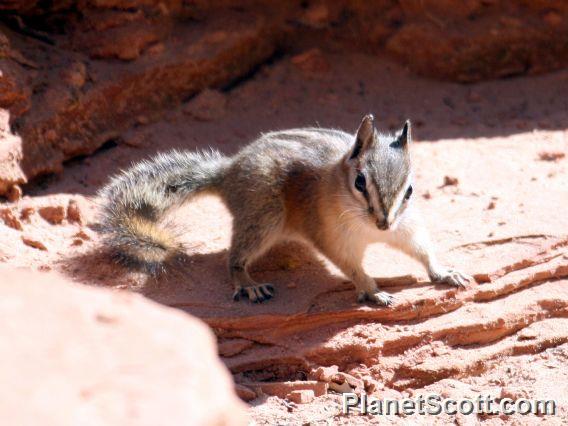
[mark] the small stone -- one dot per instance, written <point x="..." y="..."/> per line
<point x="551" y="156"/>
<point x="50" y="135"/>
<point x="135" y="139"/>
<point x="325" y="374"/>
<point x="82" y="235"/>
<point x="34" y="243"/>
<point x="491" y="205"/>
<point x="450" y="181"/>
<point x="554" y="19"/>
<point x="304" y="396"/>
<point x="317" y="16"/>
<point x="207" y="106"/>
<point x="73" y="212"/>
<point x="427" y="195"/>
<point x="156" y="49"/>
<point x="544" y="124"/>
<point x="10" y="220"/>
<point x="142" y="119"/>
<point x="357" y="385"/>
<point x="52" y="214"/>
<point x="474" y="97"/>
<point x="75" y="75"/>
<point x="77" y="242"/>
<point x="14" y="193"/>
<point x="340" y="387"/>
<point x="370" y="385"/>
<point x="26" y="213"/>
<point x="311" y="62"/>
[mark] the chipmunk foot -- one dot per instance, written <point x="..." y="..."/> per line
<point x="450" y="276"/>
<point x="255" y="293"/>
<point x="380" y="298"/>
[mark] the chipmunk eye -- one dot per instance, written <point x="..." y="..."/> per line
<point x="360" y="182"/>
<point x="408" y="193"/>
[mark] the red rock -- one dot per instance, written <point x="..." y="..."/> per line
<point x="317" y="16"/>
<point x="551" y="156"/>
<point x="371" y="385"/>
<point x="11" y="157"/>
<point x="450" y="181"/>
<point x="233" y="347"/>
<point x="208" y="105"/>
<point x="69" y="121"/>
<point x="356" y="385"/>
<point x="52" y="214"/>
<point x="474" y="97"/>
<point x="82" y="235"/>
<point x="147" y="362"/>
<point x="312" y="62"/>
<point x="14" y="194"/>
<point x="325" y="374"/>
<point x="554" y="19"/>
<point x="31" y="242"/>
<point x="75" y="75"/>
<point x="136" y="139"/>
<point x="304" y="396"/>
<point x="7" y="216"/>
<point x="73" y="212"/>
<point x="245" y="393"/>
<point x="26" y="213"/>
<point x="125" y="43"/>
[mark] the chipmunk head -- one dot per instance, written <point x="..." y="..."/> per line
<point x="379" y="175"/>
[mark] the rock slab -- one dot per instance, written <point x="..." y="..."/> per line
<point x="76" y="355"/>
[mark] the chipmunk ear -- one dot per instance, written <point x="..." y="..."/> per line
<point x="404" y="137"/>
<point x="364" y="137"/>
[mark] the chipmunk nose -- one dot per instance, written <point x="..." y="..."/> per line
<point x="383" y="225"/>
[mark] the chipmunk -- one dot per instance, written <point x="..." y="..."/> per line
<point x="332" y="190"/>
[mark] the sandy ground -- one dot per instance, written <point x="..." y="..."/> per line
<point x="503" y="221"/>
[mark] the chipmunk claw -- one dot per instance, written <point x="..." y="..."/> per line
<point x="452" y="277"/>
<point x="380" y="298"/>
<point x="254" y="293"/>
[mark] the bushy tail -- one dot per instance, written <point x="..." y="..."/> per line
<point x="136" y="201"/>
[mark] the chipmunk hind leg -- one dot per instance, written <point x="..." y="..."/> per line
<point x="253" y="234"/>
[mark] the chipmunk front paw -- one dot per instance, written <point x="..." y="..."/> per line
<point x="380" y="298"/>
<point x="255" y="293"/>
<point x="450" y="276"/>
